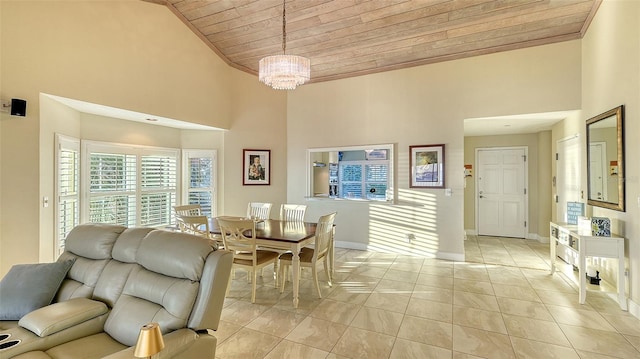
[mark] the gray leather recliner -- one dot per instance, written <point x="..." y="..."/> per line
<point x="123" y="278"/>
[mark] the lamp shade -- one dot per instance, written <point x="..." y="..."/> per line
<point x="150" y="341"/>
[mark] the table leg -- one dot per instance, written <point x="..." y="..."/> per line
<point x="622" y="300"/>
<point x="552" y="254"/>
<point x="295" y="269"/>
<point x="332" y="252"/>
<point x="582" y="273"/>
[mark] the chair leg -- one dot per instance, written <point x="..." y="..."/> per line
<point x="275" y="273"/>
<point x="327" y="271"/>
<point x="314" y="270"/>
<point x="282" y="276"/>
<point x="253" y="286"/>
<point x="228" y="286"/>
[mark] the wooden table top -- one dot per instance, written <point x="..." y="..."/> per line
<point x="277" y="230"/>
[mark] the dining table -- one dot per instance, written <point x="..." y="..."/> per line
<point x="283" y="235"/>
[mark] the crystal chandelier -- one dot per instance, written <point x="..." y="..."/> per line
<point x="284" y="72"/>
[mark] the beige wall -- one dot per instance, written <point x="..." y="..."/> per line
<point x="610" y="80"/>
<point x="545" y="190"/>
<point x="132" y="55"/>
<point x="421" y="105"/>
<point x="259" y="120"/>
<point x="538" y="167"/>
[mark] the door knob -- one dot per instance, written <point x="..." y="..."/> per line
<point x="481" y="196"/>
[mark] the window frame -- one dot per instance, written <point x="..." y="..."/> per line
<point x="391" y="196"/>
<point x="186" y="189"/>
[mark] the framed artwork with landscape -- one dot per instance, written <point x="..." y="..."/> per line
<point x="256" y="167"/>
<point x="426" y="163"/>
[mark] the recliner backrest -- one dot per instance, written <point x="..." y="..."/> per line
<point x="115" y="274"/>
<point x="90" y="245"/>
<point x="162" y="288"/>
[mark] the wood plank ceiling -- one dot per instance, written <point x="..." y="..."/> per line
<point x="345" y="38"/>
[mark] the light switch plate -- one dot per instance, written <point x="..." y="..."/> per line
<point x="447" y="192"/>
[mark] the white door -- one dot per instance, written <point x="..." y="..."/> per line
<point x="502" y="192"/>
<point x="598" y="171"/>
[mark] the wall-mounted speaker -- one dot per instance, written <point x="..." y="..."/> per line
<point x="18" y="107"/>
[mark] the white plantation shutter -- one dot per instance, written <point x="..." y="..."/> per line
<point x="112" y="188"/>
<point x="376" y="181"/>
<point x="159" y="188"/>
<point x="364" y="179"/>
<point x="67" y="189"/>
<point x="131" y="185"/>
<point x="199" y="179"/>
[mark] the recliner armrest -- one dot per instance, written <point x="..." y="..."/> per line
<point x="60" y="316"/>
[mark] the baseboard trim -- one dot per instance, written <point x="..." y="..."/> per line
<point x="633" y="307"/>
<point x="544" y="239"/>
<point x="470" y="232"/>
<point x="457" y="257"/>
<point x="351" y="245"/>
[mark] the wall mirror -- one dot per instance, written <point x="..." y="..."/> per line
<point x="605" y="160"/>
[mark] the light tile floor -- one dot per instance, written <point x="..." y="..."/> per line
<point x="501" y="303"/>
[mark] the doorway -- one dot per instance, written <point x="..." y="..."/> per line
<point x="598" y="171"/>
<point x="501" y="192"/>
<point x="567" y="180"/>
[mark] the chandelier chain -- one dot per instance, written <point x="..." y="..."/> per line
<point x="284" y="27"/>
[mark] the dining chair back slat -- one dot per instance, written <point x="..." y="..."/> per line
<point x="292" y="212"/>
<point x="259" y="210"/>
<point x="188" y="210"/>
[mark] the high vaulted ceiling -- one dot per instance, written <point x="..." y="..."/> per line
<point x="345" y="38"/>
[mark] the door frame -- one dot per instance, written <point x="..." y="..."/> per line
<point x="526" y="185"/>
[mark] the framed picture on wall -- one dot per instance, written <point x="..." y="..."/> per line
<point x="256" y="167"/>
<point x="426" y="163"/>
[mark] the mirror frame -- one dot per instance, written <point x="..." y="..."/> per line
<point x="618" y="112"/>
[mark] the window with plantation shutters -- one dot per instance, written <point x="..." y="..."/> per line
<point x="67" y="189"/>
<point x="112" y="188"/>
<point x="199" y="180"/>
<point x="130" y="185"/>
<point x="363" y="179"/>
<point x="159" y="189"/>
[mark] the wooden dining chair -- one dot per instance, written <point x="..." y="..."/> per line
<point x="198" y="225"/>
<point x="259" y="210"/>
<point x="239" y="236"/>
<point x="188" y="210"/>
<point x="309" y="257"/>
<point x="292" y="212"/>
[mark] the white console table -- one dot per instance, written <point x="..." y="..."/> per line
<point x="588" y="246"/>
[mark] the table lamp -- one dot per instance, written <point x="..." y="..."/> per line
<point x="150" y="341"/>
